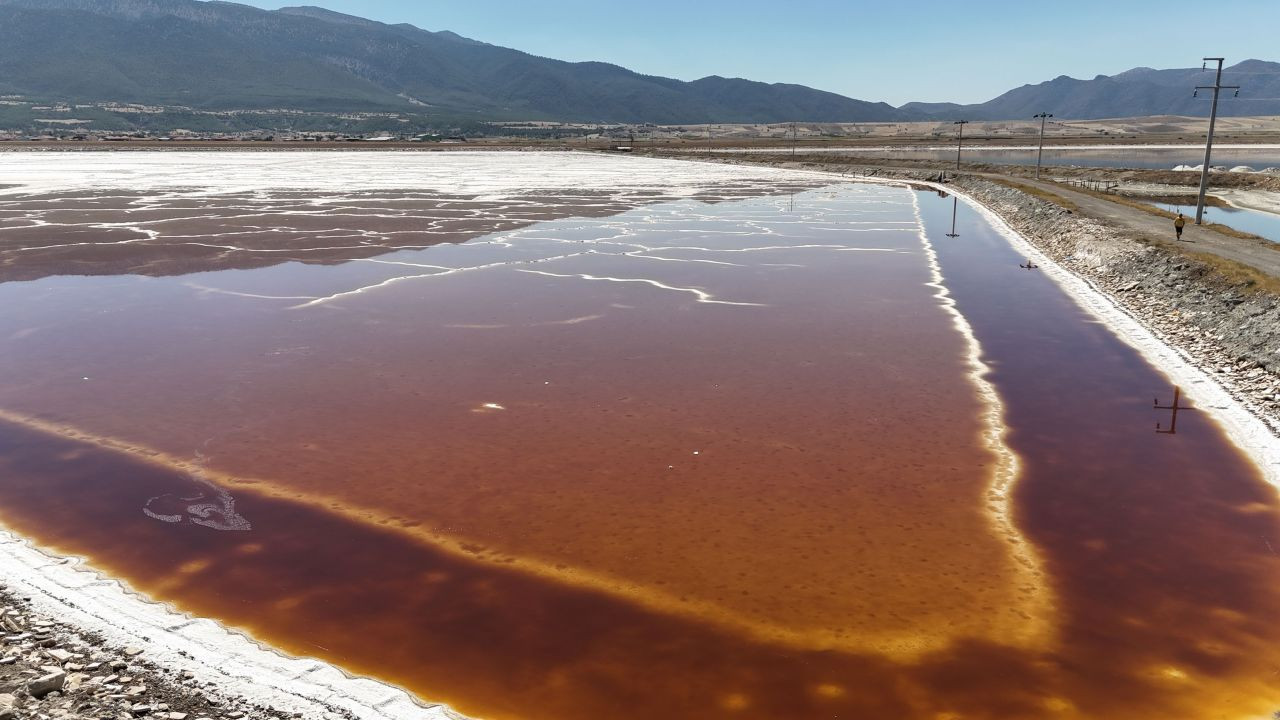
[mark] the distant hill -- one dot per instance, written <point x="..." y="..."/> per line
<point x="222" y="56"/>
<point x="219" y="55"/>
<point x="1137" y="92"/>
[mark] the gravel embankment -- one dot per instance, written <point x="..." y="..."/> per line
<point x="51" y="670"/>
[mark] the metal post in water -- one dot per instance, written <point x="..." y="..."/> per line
<point x="1208" y="144"/>
<point x="1040" y="154"/>
<point x="959" y="139"/>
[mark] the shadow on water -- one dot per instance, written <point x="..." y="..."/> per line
<point x="1157" y="547"/>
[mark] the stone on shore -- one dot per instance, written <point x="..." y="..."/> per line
<point x="46" y="684"/>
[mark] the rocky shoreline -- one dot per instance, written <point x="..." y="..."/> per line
<point x="1227" y="327"/>
<point x="49" y="669"/>
<point x="78" y="645"/>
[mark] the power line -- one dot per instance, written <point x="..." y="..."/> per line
<point x="959" y="139"/>
<point x="1040" y="153"/>
<point x="1213" y="118"/>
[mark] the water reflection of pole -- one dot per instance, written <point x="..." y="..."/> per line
<point x="959" y="139"/>
<point x="955" y="203"/>
<point x="1040" y="153"/>
<point x="1208" y="143"/>
<point x="1175" y="407"/>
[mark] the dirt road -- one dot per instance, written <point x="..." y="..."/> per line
<point x="1259" y="254"/>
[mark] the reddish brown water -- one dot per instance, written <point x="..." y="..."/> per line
<point x="586" y="414"/>
<point x="596" y="490"/>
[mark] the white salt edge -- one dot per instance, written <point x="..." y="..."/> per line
<point x="63" y="588"/>
<point x="1246" y="430"/>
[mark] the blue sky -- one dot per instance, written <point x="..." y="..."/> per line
<point x="891" y="50"/>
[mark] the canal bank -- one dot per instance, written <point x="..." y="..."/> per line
<point x="1222" y="314"/>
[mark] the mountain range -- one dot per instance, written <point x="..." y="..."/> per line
<point x="1133" y="93"/>
<point x="221" y="56"/>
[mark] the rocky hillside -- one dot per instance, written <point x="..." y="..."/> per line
<point x="219" y="55"/>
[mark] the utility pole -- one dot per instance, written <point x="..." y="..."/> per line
<point x="793" y="139"/>
<point x="1213" y="118"/>
<point x="959" y="139"/>
<point x="1040" y="154"/>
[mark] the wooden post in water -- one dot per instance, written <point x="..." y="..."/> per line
<point x="955" y="203"/>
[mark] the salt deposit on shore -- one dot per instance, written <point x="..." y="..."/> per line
<point x="1249" y="432"/>
<point x="1261" y="200"/>
<point x="243" y="673"/>
<point x="461" y="173"/>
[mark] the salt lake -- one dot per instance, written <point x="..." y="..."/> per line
<point x="557" y="435"/>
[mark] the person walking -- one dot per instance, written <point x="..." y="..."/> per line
<point x="1178" y="223"/>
